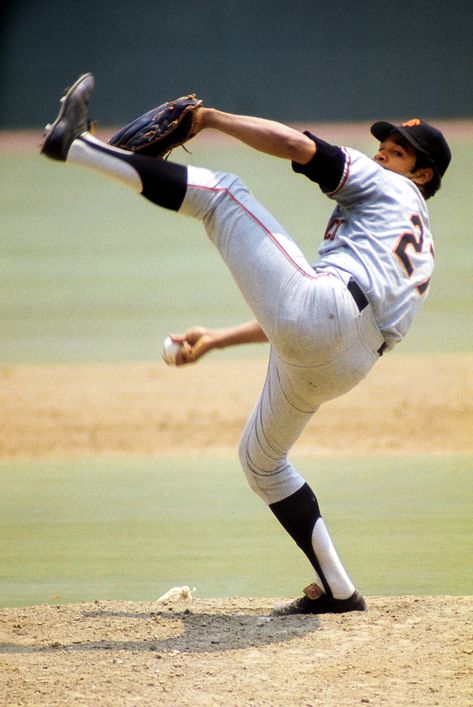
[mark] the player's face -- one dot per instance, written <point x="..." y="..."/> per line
<point x="395" y="157"/>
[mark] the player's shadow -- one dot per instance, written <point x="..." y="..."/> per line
<point x="191" y="632"/>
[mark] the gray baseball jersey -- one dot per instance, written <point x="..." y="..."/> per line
<point x="379" y="234"/>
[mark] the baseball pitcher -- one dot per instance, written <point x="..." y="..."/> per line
<point x="327" y="323"/>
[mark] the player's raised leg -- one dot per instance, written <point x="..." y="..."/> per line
<point x="238" y="225"/>
<point x="68" y="139"/>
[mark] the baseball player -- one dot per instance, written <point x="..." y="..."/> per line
<point x="327" y="323"/>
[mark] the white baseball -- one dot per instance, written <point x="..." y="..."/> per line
<point x="170" y="350"/>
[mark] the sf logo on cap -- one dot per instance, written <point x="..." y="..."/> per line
<point x="411" y="123"/>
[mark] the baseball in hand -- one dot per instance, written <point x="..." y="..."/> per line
<point x="170" y="350"/>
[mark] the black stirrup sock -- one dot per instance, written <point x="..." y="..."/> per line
<point x="164" y="183"/>
<point x="298" y="515"/>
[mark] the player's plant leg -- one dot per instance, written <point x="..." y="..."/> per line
<point x="300" y="516"/>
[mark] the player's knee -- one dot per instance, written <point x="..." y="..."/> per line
<point x="247" y="464"/>
<point x="265" y="473"/>
<point x="269" y="474"/>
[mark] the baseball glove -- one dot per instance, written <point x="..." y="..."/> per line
<point x="161" y="129"/>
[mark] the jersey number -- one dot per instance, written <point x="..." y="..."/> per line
<point x="332" y="228"/>
<point x="412" y="240"/>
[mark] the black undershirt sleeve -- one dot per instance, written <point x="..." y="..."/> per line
<point x="326" y="167"/>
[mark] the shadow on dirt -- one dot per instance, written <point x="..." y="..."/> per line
<point x="190" y="632"/>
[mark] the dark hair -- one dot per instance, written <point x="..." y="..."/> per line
<point x="433" y="185"/>
<point x="422" y="160"/>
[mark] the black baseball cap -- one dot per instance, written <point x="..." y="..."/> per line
<point x="422" y="136"/>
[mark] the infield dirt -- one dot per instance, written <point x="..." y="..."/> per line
<point x="408" y="404"/>
<point x="403" y="651"/>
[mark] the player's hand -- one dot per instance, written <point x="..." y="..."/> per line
<point x="199" y="116"/>
<point x="195" y="342"/>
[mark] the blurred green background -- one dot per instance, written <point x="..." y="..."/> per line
<point x="90" y="272"/>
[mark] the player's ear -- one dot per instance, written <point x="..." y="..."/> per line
<point x="422" y="175"/>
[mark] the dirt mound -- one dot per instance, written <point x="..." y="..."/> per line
<point x="403" y="651"/>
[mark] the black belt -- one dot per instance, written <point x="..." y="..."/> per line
<point x="357" y="293"/>
<point x="361" y="302"/>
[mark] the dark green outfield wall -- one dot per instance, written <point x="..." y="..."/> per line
<point x="291" y="60"/>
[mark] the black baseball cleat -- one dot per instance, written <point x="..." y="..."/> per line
<point x="72" y="120"/>
<point x="322" y="605"/>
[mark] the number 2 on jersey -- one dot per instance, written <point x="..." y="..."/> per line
<point x="412" y="239"/>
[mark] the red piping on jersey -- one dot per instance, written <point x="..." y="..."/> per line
<point x="346" y="172"/>
<point x="260" y="224"/>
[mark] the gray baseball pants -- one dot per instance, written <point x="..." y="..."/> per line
<point x="321" y="344"/>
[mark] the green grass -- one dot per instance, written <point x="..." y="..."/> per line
<point x="131" y="529"/>
<point x="91" y="272"/>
